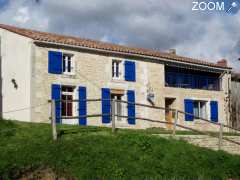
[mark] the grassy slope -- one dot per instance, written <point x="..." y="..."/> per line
<point x="95" y="153"/>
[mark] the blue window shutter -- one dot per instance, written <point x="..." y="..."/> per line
<point x="55" y="62"/>
<point x="188" y="103"/>
<point x="214" y="111"/>
<point x="131" y="107"/>
<point x="82" y="105"/>
<point x="56" y="95"/>
<point x="130" y="71"/>
<point x="106" y="105"/>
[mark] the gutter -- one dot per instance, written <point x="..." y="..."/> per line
<point x="127" y="54"/>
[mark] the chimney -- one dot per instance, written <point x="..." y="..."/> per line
<point x="172" y="51"/>
<point x="222" y="63"/>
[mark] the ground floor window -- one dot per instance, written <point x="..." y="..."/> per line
<point x="67" y="105"/>
<point x="118" y="105"/>
<point x="200" y="109"/>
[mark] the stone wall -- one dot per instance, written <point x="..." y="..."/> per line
<point x="210" y="142"/>
<point x="94" y="71"/>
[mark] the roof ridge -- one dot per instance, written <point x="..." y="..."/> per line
<point x="96" y="44"/>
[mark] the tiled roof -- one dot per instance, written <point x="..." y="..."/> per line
<point x="69" y="40"/>
<point x="236" y="76"/>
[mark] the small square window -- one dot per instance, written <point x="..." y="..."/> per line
<point x="68" y="64"/>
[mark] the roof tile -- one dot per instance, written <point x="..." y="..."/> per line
<point x="69" y="40"/>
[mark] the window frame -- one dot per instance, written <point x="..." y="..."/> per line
<point x="65" y="65"/>
<point x="199" y="114"/>
<point x="119" y="106"/>
<point x="68" y="93"/>
<point x="120" y="69"/>
<point x="176" y="79"/>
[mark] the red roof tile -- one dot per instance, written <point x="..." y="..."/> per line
<point x="69" y="40"/>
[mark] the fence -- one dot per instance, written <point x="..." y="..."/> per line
<point x="174" y="124"/>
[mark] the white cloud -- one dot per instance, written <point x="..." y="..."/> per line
<point x="22" y="15"/>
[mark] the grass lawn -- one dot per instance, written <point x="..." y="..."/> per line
<point x="96" y="153"/>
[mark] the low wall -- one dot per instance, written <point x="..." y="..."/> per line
<point x="210" y="142"/>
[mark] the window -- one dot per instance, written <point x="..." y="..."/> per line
<point x="67" y="107"/>
<point x="199" y="109"/>
<point x="118" y="105"/>
<point x="184" y="78"/>
<point x="68" y="64"/>
<point x="116" y="69"/>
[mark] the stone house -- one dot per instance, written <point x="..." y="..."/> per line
<point x="38" y="66"/>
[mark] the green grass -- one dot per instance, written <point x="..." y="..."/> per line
<point x="96" y="153"/>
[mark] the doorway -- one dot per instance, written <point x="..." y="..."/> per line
<point x="169" y="114"/>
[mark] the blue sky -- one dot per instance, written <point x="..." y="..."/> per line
<point x="154" y="24"/>
<point x="3" y="3"/>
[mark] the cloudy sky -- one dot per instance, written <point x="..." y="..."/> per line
<point x="155" y="24"/>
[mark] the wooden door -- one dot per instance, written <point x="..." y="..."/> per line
<point x="169" y="113"/>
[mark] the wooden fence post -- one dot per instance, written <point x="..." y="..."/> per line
<point x="53" y="120"/>
<point x="175" y="122"/>
<point x="220" y="137"/>
<point x="113" y="115"/>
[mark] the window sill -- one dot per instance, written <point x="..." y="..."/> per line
<point x="117" y="80"/>
<point x="72" y="76"/>
<point x="199" y="121"/>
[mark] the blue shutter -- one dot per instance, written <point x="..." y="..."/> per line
<point x="55" y="62"/>
<point x="82" y="105"/>
<point x="131" y="107"/>
<point x="188" y="103"/>
<point x="130" y="71"/>
<point x="214" y="111"/>
<point x="56" y="95"/>
<point x="106" y="105"/>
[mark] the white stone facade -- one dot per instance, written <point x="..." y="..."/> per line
<point x="28" y="64"/>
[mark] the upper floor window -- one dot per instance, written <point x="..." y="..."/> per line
<point x="60" y="63"/>
<point x="117" y="69"/>
<point x="184" y="78"/>
<point x="68" y="64"/>
<point x="124" y="70"/>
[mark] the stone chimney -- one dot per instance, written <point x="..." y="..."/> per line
<point x="172" y="51"/>
<point x="222" y="63"/>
